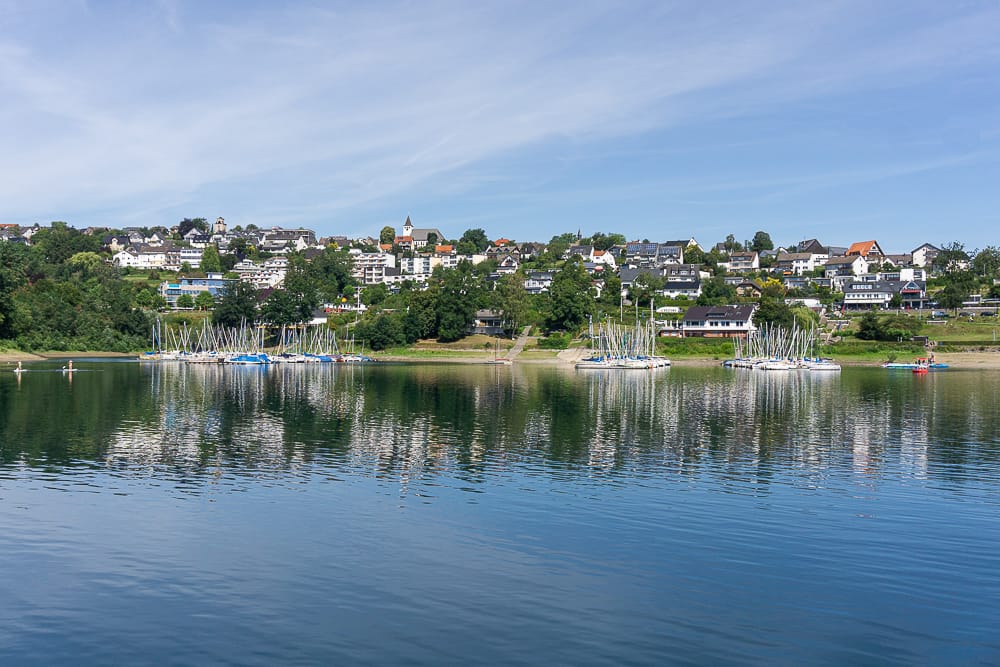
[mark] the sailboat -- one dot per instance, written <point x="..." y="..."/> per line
<point x="497" y="360"/>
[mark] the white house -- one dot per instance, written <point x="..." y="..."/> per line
<point x="743" y="262"/>
<point x="606" y="258"/>
<point x="538" y="282"/>
<point x="799" y="263"/>
<point x="719" y="321"/>
<point x="369" y="267"/>
<point x="924" y="255"/>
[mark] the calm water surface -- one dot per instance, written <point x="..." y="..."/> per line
<point x="526" y="515"/>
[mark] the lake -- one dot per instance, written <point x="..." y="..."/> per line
<point x="446" y="514"/>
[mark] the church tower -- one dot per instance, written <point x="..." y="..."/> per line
<point x="220" y="226"/>
<point x="407" y="227"/>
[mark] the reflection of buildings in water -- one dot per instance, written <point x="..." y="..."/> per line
<point x="622" y="407"/>
<point x="743" y="415"/>
<point x="423" y="421"/>
<point x="207" y="413"/>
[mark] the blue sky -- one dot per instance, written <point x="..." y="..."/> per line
<point x="842" y="121"/>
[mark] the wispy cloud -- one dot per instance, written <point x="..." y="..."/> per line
<point x="312" y="113"/>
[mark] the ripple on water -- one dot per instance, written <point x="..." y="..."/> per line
<point x="448" y="515"/>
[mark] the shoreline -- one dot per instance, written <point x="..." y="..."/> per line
<point x="958" y="360"/>
<point x="45" y="356"/>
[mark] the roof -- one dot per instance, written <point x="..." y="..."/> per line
<point x="741" y="313"/>
<point x="628" y="274"/>
<point x="861" y="248"/>
<point x="682" y="270"/>
<point x="836" y="261"/>
<point x="812" y="246"/>
<point x="794" y="256"/>
<point x="638" y="248"/>
<point x="682" y="285"/>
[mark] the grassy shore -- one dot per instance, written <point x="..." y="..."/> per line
<point x="958" y="342"/>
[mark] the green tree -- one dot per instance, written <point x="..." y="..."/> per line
<point x="606" y="241"/>
<point x="237" y="305"/>
<point x="871" y="326"/>
<point x="185" y="301"/>
<point x="645" y="287"/>
<point x="432" y="240"/>
<point x="457" y="302"/>
<point x="331" y="271"/>
<point x="558" y="246"/>
<point x="421" y="315"/>
<point x="211" y="262"/>
<point x="145" y="298"/>
<point x="951" y="257"/>
<point x="187" y="224"/>
<point x="204" y="300"/>
<point x="716" y="292"/>
<point x="774" y="311"/>
<point x="237" y="247"/>
<point x="570" y="298"/>
<point x="986" y="262"/>
<point x="774" y="288"/>
<point x="612" y="293"/>
<point x="373" y="295"/>
<point x="301" y="286"/>
<point x="761" y="241"/>
<point x="87" y="261"/>
<point x="695" y="255"/>
<point x="383" y="332"/>
<point x="952" y="296"/>
<point x="59" y="242"/>
<point x="476" y="238"/>
<point x="387" y="235"/>
<point x="868" y="328"/>
<point x="13" y="274"/>
<point x="280" y="309"/>
<point x="511" y="299"/>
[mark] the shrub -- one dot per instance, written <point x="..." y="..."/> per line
<point x="554" y="342"/>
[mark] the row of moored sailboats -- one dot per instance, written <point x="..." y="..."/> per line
<point x="774" y="348"/>
<point x="245" y="346"/>
<point x="620" y="347"/>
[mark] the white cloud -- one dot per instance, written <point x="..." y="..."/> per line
<point x="312" y="112"/>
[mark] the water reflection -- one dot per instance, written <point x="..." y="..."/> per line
<point x="415" y="422"/>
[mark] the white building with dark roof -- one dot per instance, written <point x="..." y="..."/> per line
<point x="719" y="321"/>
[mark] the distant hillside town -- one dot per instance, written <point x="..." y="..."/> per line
<point x="295" y="276"/>
<point x="862" y="271"/>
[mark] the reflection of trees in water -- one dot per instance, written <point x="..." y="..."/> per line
<point x="415" y="421"/>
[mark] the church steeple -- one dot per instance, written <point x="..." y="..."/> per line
<point x="407" y="227"/>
